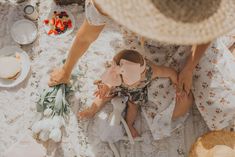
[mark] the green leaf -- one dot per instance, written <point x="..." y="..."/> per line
<point x="39" y="107"/>
<point x="43" y="95"/>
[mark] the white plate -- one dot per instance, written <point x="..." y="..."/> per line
<point x="68" y="31"/>
<point x="11" y="51"/>
<point x="24" y="31"/>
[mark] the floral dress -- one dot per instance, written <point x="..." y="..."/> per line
<point x="139" y="94"/>
<point x="213" y="79"/>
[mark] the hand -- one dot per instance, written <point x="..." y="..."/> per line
<point x="58" y="76"/>
<point x="185" y="80"/>
<point x="174" y="77"/>
<point x="103" y="90"/>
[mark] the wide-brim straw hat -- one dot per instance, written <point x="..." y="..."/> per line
<point x="214" y="144"/>
<point x="173" y="21"/>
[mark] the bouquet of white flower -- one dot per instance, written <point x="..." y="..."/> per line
<point x="54" y="108"/>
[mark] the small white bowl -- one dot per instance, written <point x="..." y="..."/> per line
<point x="24" y="32"/>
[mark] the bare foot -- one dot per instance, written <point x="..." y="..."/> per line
<point x="183" y="104"/>
<point x="233" y="52"/>
<point x="88" y="113"/>
<point x="134" y="132"/>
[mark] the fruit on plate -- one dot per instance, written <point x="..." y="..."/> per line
<point x="13" y="69"/>
<point x="59" y="23"/>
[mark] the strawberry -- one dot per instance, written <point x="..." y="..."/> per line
<point x="62" y="28"/>
<point x="69" y="22"/>
<point x="55" y="32"/>
<point x="52" y="21"/>
<point x="59" y="23"/>
<point x="46" y="21"/>
<point x="69" y="25"/>
<point x="50" y="32"/>
<point x="65" y="23"/>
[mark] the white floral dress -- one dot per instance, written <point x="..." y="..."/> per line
<point x="213" y="80"/>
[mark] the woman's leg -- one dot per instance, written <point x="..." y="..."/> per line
<point x="96" y="106"/>
<point x="131" y="115"/>
<point x="182" y="105"/>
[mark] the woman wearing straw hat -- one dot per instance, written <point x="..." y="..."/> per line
<point x="206" y="69"/>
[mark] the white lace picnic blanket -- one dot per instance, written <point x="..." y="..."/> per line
<point x="17" y="106"/>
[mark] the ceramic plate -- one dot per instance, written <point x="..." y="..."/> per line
<point x="24" y="32"/>
<point x="11" y="51"/>
<point x="70" y="30"/>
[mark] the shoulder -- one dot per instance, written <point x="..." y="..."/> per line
<point x="94" y="14"/>
<point x="99" y="8"/>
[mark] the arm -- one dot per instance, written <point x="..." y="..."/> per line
<point x="186" y="75"/>
<point x="197" y="53"/>
<point x="84" y="37"/>
<point x="162" y="71"/>
<point x="103" y="91"/>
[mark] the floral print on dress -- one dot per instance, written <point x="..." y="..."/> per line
<point x="213" y="90"/>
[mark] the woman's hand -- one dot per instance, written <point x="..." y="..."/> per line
<point x="185" y="80"/>
<point x="58" y="76"/>
<point x="186" y="75"/>
<point x="103" y="90"/>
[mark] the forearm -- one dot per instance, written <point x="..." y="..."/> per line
<point x="160" y="71"/>
<point x="194" y="58"/>
<point x="164" y="72"/>
<point x="78" y="48"/>
<point x="84" y="37"/>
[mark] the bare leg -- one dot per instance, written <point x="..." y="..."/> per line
<point x="131" y="115"/>
<point x="183" y="105"/>
<point x="96" y="106"/>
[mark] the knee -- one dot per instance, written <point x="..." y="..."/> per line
<point x="182" y="107"/>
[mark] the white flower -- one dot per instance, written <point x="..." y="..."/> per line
<point x="55" y="135"/>
<point x="59" y="100"/>
<point x="46" y="124"/>
<point x="57" y="121"/>
<point x="36" y="128"/>
<point x="47" y="112"/>
<point x="44" y="136"/>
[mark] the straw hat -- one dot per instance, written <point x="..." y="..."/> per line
<point x="214" y="144"/>
<point x="173" y="21"/>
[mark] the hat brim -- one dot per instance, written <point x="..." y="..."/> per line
<point x="210" y="140"/>
<point x="142" y="17"/>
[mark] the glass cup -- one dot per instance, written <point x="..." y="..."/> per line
<point x="31" y="12"/>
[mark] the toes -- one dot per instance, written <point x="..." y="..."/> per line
<point x="134" y="132"/>
<point x="85" y="114"/>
